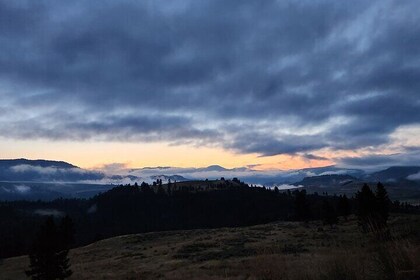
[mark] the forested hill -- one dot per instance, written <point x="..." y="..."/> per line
<point x="157" y="207"/>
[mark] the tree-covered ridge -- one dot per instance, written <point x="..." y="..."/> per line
<point x="176" y="205"/>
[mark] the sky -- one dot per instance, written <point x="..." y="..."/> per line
<point x="268" y="84"/>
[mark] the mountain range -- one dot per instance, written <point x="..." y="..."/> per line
<point x="47" y="179"/>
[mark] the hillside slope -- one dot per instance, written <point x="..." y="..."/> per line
<point x="269" y="251"/>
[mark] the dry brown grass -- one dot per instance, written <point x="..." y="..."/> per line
<point x="344" y="265"/>
<point x="282" y="250"/>
<point x="394" y="259"/>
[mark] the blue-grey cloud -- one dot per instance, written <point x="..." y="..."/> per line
<point x="255" y="77"/>
<point x="314" y="157"/>
<point x="378" y="161"/>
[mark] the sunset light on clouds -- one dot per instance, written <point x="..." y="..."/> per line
<point x="209" y="139"/>
<point x="273" y="84"/>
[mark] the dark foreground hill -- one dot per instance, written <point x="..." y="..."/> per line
<point x="280" y="250"/>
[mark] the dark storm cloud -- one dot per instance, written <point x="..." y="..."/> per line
<point x="250" y="76"/>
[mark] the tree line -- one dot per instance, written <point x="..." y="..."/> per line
<point x="210" y="204"/>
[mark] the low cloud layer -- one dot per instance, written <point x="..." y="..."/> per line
<point x="49" y="212"/>
<point x="280" y="178"/>
<point x="271" y="77"/>
<point x="44" y="171"/>
<point x="415" y="177"/>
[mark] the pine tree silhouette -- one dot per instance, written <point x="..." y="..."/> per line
<point x="344" y="208"/>
<point x="301" y="205"/>
<point x="366" y="208"/>
<point x="382" y="202"/>
<point x="329" y="214"/>
<point x="49" y="255"/>
<point x="66" y="232"/>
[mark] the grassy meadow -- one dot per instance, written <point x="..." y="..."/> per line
<point x="281" y="250"/>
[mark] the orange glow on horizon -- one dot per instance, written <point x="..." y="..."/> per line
<point x="93" y="155"/>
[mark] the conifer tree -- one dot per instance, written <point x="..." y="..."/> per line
<point x="382" y="203"/>
<point x="344" y="208"/>
<point x="301" y="205"/>
<point x="66" y="232"/>
<point x="49" y="255"/>
<point x="329" y="214"/>
<point x="366" y="207"/>
<point x="160" y="190"/>
<point x="169" y="188"/>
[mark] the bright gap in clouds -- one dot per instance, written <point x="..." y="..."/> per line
<point x="135" y="155"/>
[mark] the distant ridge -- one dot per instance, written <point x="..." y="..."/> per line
<point x="394" y="173"/>
<point x="327" y="180"/>
<point x="36" y="162"/>
<point x="44" y="171"/>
